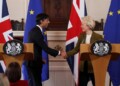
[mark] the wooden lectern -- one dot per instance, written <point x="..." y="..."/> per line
<point x="26" y="55"/>
<point x="100" y="64"/>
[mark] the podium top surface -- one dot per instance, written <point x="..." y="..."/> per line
<point x="28" y="51"/>
<point x="85" y="48"/>
<point x="28" y="48"/>
<point x="85" y="51"/>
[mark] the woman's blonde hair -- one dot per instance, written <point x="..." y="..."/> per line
<point x="89" y="22"/>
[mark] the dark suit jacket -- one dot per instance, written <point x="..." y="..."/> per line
<point x="81" y="40"/>
<point x="36" y="37"/>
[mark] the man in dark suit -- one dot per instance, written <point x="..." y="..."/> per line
<point x="36" y="37"/>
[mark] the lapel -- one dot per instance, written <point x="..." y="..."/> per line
<point x="92" y="40"/>
<point x="41" y="32"/>
<point x="44" y="36"/>
<point x="83" y="38"/>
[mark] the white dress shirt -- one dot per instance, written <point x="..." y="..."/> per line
<point x="40" y="27"/>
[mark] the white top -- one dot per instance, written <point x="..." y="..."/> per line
<point x="88" y="38"/>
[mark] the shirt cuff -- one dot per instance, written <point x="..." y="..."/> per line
<point x="59" y="53"/>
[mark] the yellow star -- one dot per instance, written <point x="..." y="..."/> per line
<point x="111" y="13"/>
<point x="118" y="12"/>
<point x="31" y="12"/>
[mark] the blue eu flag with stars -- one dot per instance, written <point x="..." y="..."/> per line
<point x="112" y="34"/>
<point x="35" y="8"/>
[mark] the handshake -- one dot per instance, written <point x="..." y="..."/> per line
<point x="62" y="52"/>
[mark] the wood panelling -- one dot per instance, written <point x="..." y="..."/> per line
<point x="59" y="11"/>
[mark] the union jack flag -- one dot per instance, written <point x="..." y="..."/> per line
<point x="5" y="25"/>
<point x="5" y="28"/>
<point x="73" y="31"/>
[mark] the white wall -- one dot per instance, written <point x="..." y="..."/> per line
<point x="98" y="8"/>
<point x="17" y="9"/>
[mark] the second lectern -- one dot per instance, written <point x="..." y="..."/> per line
<point x="100" y="64"/>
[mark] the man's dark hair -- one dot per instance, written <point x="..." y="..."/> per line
<point x="40" y="17"/>
<point x="13" y="72"/>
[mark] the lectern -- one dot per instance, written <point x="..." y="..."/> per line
<point x="26" y="55"/>
<point x="100" y="64"/>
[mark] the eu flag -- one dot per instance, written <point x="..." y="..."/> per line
<point x="112" y="34"/>
<point x="35" y="8"/>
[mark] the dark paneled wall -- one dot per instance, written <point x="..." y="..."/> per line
<point x="59" y="11"/>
